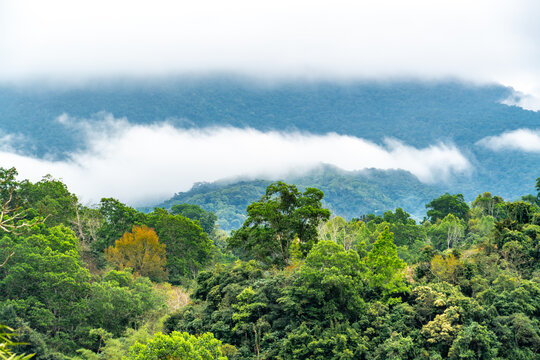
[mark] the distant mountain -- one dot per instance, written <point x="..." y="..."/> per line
<point x="347" y="194"/>
<point x="418" y="113"/>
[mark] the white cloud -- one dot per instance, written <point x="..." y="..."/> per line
<point x="482" y="40"/>
<point x="527" y="140"/>
<point x="137" y="163"/>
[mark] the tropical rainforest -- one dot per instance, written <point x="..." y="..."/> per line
<point x="292" y="281"/>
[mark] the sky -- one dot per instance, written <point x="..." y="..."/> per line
<point x="73" y="43"/>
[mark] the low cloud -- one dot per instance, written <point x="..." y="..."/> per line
<point x="527" y="140"/>
<point x="147" y="163"/>
<point x="71" y="41"/>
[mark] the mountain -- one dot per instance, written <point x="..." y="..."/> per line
<point x="346" y="194"/>
<point x="417" y="113"/>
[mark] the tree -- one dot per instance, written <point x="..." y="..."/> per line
<point x="475" y="341"/>
<point x="117" y="219"/>
<point x="181" y="346"/>
<point x="188" y="247"/>
<point x="386" y="273"/>
<point x="141" y="251"/>
<point x="486" y="203"/>
<point x="281" y="217"/>
<point x="328" y="287"/>
<point x="207" y="220"/>
<point x="447" y="204"/>
<point x="450" y="231"/>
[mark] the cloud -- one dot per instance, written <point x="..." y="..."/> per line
<point x="140" y="164"/>
<point x="64" y="40"/>
<point x="527" y="140"/>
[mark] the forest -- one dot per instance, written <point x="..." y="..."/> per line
<point x="293" y="281"/>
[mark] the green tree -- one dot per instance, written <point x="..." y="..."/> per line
<point x="328" y="287"/>
<point x="181" y="346"/>
<point x="447" y="204"/>
<point x="474" y="341"/>
<point x="189" y="249"/>
<point x="448" y="232"/>
<point x="207" y="220"/>
<point x="487" y="203"/>
<point x="281" y="217"/>
<point x="117" y="219"/>
<point x="386" y="271"/>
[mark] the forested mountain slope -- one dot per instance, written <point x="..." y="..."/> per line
<point x="347" y="194"/>
<point x="417" y="113"/>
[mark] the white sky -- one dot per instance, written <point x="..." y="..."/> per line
<point x="66" y="40"/>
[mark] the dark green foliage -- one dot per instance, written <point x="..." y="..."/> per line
<point x="207" y="220"/>
<point x="282" y="218"/>
<point x="188" y="248"/>
<point x="446" y="204"/>
<point x="471" y="301"/>
<point x="328" y="287"/>
<point x="118" y="219"/>
<point x="468" y="289"/>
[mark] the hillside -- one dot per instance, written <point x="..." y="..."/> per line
<point x="418" y="113"/>
<point x="346" y="194"/>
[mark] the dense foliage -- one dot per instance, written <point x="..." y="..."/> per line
<point x="346" y="194"/>
<point x="469" y="289"/>
<point x="463" y="284"/>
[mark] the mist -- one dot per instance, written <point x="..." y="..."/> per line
<point x="71" y="42"/>
<point x="144" y="164"/>
<point x="526" y="140"/>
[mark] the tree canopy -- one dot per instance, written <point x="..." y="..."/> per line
<point x="282" y="217"/>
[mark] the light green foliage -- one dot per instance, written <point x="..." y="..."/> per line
<point x="386" y="271"/>
<point x="181" y="346"/>
<point x="6" y="343"/>
<point x="447" y="233"/>
<point x="51" y="199"/>
<point x="281" y="217"/>
<point x="351" y="235"/>
<point x="487" y="204"/>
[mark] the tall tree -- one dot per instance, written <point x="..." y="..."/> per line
<point x="188" y="247"/>
<point x="207" y="220"/>
<point x="386" y="271"/>
<point x="447" y="204"/>
<point x="281" y="217"/>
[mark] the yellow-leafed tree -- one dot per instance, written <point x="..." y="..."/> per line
<point x="141" y="251"/>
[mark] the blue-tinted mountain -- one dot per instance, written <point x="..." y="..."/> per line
<point x="418" y="113"/>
